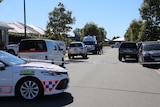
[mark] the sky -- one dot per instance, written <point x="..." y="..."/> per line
<point x="114" y="16"/>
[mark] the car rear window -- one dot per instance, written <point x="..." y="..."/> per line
<point x="128" y="45"/>
<point x="151" y="47"/>
<point x="75" y="45"/>
<point x="32" y="46"/>
<point x="89" y="42"/>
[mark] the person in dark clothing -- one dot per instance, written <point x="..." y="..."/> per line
<point x="98" y="48"/>
<point x="101" y="47"/>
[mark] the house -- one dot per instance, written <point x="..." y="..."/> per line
<point x="17" y="27"/>
<point x="4" y="33"/>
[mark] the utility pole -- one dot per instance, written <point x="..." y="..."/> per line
<point x="25" y="18"/>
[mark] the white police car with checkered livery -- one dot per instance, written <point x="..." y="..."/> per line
<point x="30" y="80"/>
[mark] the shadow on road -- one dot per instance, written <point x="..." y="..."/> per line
<point x="130" y="61"/>
<point x="76" y="60"/>
<point x="152" y="66"/>
<point x="58" y="100"/>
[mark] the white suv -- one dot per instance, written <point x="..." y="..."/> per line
<point x="42" y="49"/>
<point x="77" y="49"/>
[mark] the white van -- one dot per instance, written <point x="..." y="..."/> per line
<point x="91" y="43"/>
<point x="42" y="49"/>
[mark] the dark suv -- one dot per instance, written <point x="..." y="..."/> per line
<point x="128" y="50"/>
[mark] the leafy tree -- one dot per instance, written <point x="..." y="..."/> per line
<point x="143" y="35"/>
<point x="1" y="1"/>
<point x="133" y="33"/>
<point x="150" y="12"/>
<point x="77" y="32"/>
<point x="93" y="30"/>
<point x="59" y="21"/>
<point x="90" y="29"/>
<point x="102" y="34"/>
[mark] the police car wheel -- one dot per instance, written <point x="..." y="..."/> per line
<point x="29" y="89"/>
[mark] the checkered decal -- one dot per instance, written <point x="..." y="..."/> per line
<point x="49" y="85"/>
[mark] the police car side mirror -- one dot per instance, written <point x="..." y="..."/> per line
<point x="2" y="66"/>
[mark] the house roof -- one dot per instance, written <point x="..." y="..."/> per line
<point x="19" y="28"/>
<point x="119" y="39"/>
<point x="106" y="40"/>
<point x="38" y="29"/>
<point x="4" y="26"/>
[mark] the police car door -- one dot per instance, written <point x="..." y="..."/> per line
<point x="5" y="79"/>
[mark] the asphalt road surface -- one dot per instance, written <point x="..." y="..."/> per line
<point x="102" y="81"/>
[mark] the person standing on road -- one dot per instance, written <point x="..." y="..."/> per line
<point x="101" y="48"/>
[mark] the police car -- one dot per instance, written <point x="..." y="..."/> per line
<point x="30" y="80"/>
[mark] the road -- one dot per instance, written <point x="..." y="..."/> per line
<point x="102" y="81"/>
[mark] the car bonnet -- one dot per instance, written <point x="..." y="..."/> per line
<point x="44" y="66"/>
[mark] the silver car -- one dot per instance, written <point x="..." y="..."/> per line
<point x="77" y="49"/>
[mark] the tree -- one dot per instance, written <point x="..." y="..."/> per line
<point x="1" y="1"/>
<point x="150" y="12"/>
<point x="77" y="32"/>
<point x="133" y="33"/>
<point x="143" y="35"/>
<point x="93" y="30"/>
<point x="102" y="34"/>
<point x="59" y="21"/>
<point x="90" y="29"/>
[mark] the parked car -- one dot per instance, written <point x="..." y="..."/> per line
<point x="12" y="48"/>
<point x="128" y="50"/>
<point x="62" y="45"/>
<point x="43" y="49"/>
<point x="30" y="80"/>
<point x="115" y="45"/>
<point x="149" y="53"/>
<point x="77" y="49"/>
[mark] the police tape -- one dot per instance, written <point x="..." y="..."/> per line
<point x="112" y="63"/>
<point x="90" y="62"/>
<point x="85" y="62"/>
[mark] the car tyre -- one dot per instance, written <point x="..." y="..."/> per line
<point x="120" y="57"/>
<point x="84" y="56"/>
<point x="11" y="52"/>
<point x="137" y="59"/>
<point x="62" y="64"/>
<point x="69" y="56"/>
<point x="29" y="89"/>
<point x="73" y="57"/>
